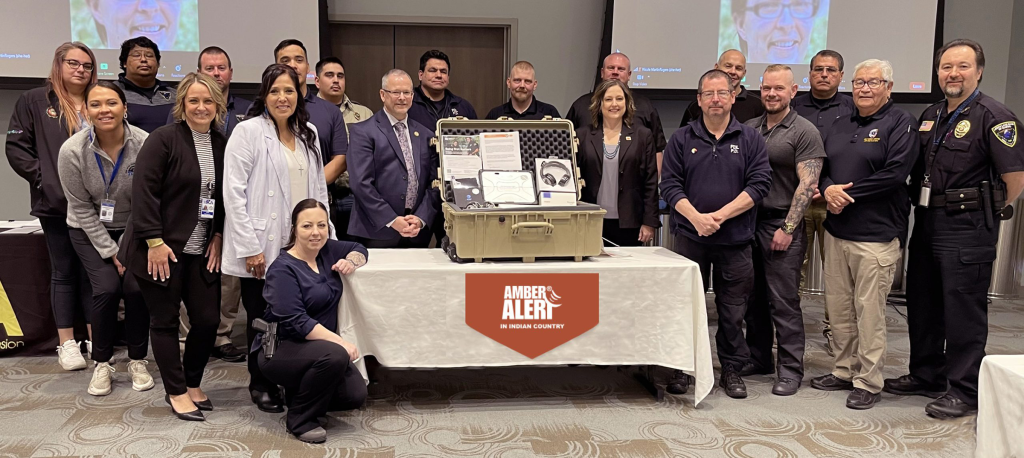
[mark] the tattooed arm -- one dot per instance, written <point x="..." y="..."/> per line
<point x="808" y="172"/>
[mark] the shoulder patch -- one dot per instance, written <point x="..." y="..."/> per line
<point x="1006" y="133"/>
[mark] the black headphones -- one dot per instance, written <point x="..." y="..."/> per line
<point x="549" y="178"/>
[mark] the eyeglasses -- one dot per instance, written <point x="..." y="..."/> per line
<point x="873" y="84"/>
<point x="820" y="69"/>
<point x="708" y="95"/>
<point x="137" y="55"/>
<point x="772" y="10"/>
<point x="74" y="64"/>
<point x="398" y="93"/>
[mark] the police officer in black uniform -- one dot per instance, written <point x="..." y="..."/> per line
<point x="971" y="167"/>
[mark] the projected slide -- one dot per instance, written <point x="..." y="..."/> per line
<point x="773" y="32"/>
<point x="670" y="43"/>
<point x="30" y="30"/>
<point x="103" y="24"/>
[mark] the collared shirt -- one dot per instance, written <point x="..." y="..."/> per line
<point x="981" y="144"/>
<point x="536" y="110"/>
<point x="427" y="112"/>
<point x="747" y="106"/>
<point x="405" y="122"/>
<point x="711" y="172"/>
<point x="876" y="154"/>
<point x="330" y="127"/>
<point x="645" y="115"/>
<point x="351" y="111"/>
<point x="823" y="112"/>
<point x="790" y="142"/>
<point x="148" y="108"/>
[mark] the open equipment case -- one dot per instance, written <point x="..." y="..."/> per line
<point x="519" y="233"/>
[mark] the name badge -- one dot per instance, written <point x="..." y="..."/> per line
<point x="107" y="211"/>
<point x="206" y="208"/>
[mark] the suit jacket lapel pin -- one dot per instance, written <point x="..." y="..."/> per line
<point x="628" y="138"/>
<point x="415" y="134"/>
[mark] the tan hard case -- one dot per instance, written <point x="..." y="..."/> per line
<point x="520" y="234"/>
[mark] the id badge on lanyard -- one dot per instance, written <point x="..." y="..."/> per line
<point x="206" y="206"/>
<point x="107" y="211"/>
<point x="107" y="205"/>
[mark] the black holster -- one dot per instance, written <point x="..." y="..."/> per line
<point x="269" y="331"/>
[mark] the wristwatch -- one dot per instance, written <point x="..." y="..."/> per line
<point x="789" y="228"/>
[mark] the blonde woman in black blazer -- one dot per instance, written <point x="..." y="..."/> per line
<point x="629" y="193"/>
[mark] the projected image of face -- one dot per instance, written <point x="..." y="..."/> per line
<point x="776" y="31"/>
<point x="171" y="24"/>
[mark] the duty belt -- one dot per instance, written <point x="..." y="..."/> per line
<point x="967" y="199"/>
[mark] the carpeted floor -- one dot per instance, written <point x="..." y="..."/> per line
<point x="511" y="412"/>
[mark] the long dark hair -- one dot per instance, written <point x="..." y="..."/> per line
<point x="596" y="117"/>
<point x="297" y="122"/>
<point x="306" y="204"/>
<point x="107" y="85"/>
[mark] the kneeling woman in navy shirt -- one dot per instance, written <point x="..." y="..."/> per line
<point x="303" y="289"/>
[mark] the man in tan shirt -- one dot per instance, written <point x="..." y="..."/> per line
<point x="330" y="82"/>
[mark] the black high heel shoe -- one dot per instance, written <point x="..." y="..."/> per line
<point x="204" y="405"/>
<point x="194" y="415"/>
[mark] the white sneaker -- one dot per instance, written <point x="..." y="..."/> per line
<point x="141" y="380"/>
<point x="69" y="355"/>
<point x="100" y="383"/>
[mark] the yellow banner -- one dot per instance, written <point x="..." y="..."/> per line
<point x="7" y="317"/>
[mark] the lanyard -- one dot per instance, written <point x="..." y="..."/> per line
<point x="938" y="140"/>
<point x="113" y="174"/>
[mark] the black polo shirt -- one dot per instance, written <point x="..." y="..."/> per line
<point x="746" y="107"/>
<point x="711" y="172"/>
<point x="980" y="145"/>
<point x="822" y="113"/>
<point x="536" y="110"/>
<point x="646" y="115"/>
<point x="876" y="154"/>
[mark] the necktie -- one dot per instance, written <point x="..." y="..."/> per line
<point x="410" y="165"/>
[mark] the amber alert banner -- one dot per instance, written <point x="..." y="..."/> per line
<point x="532" y="313"/>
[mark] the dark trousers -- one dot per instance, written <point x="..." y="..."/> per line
<point x="69" y="287"/>
<point x="187" y="284"/>
<point x="776" y="300"/>
<point x="341" y="214"/>
<point x="949" y="272"/>
<point x="318" y="377"/>
<point x="108" y="289"/>
<point x="255" y="307"/>
<point x="733" y="283"/>
<point x="618" y="235"/>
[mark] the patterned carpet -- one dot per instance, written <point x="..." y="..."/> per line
<point x="513" y="412"/>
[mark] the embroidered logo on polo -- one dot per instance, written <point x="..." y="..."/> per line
<point x="131" y="170"/>
<point x="1006" y="133"/>
<point x="51" y="112"/>
<point x="455" y="112"/>
<point x="734" y="149"/>
<point x="166" y="94"/>
<point x="873" y="133"/>
<point x="962" y="128"/>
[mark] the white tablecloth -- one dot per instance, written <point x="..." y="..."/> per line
<point x="1001" y="407"/>
<point x="407" y="308"/>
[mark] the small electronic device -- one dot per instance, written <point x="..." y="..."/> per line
<point x="504" y="187"/>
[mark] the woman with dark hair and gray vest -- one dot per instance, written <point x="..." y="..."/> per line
<point x="96" y="167"/>
<point x="43" y="119"/>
